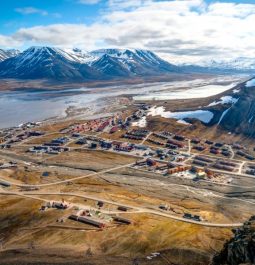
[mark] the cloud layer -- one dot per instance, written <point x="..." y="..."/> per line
<point x="31" y="10"/>
<point x="182" y="30"/>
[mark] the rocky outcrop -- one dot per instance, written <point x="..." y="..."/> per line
<point x="240" y="118"/>
<point x="241" y="248"/>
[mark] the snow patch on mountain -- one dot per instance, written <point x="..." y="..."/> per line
<point x="78" y="55"/>
<point x="224" y="100"/>
<point x="142" y="123"/>
<point x="72" y="55"/>
<point x="5" y="54"/>
<point x="250" y="83"/>
<point x="236" y="90"/>
<point x="51" y="62"/>
<point x="126" y="54"/>
<point x="240" y="63"/>
<point x="223" y="115"/>
<point x="203" y="115"/>
<point x="184" y="122"/>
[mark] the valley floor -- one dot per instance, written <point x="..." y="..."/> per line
<point x="85" y="175"/>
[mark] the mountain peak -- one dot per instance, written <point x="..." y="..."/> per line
<point x="121" y="53"/>
<point x="57" y="63"/>
<point x="6" y="54"/>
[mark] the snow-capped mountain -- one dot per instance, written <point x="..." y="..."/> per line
<point x="77" y="55"/>
<point x="129" y="55"/>
<point x="136" y="62"/>
<point x="111" y="66"/>
<point x="49" y="63"/>
<point x="5" y="54"/>
<point x="237" y="65"/>
<point x="74" y="64"/>
<point x="241" y="63"/>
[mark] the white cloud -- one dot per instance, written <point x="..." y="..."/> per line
<point x="67" y="35"/>
<point x="126" y="4"/>
<point x="7" y="41"/>
<point x="31" y="10"/>
<point x="231" y="10"/>
<point x="182" y="30"/>
<point x="89" y="2"/>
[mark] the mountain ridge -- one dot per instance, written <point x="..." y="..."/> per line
<point x="240" y="117"/>
<point x="104" y="64"/>
<point x="6" y="54"/>
<point x="55" y="63"/>
<point x="237" y="65"/>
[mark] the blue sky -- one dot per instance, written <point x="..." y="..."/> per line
<point x="46" y="12"/>
<point x="56" y="11"/>
<point x="179" y="29"/>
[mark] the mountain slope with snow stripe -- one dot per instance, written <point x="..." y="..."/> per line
<point x="74" y="64"/>
<point x="5" y="54"/>
<point x="48" y="63"/>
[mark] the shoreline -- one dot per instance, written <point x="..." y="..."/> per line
<point x="109" y="99"/>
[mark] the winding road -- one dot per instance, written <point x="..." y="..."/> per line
<point x="138" y="209"/>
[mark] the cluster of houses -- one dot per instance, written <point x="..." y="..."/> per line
<point x="53" y="147"/>
<point x="9" y="133"/>
<point x="58" y="141"/>
<point x="93" y="125"/>
<point x="168" y="140"/>
<point x="138" y="134"/>
<point x="182" y="170"/>
<point x="250" y="169"/>
<point x="16" y="138"/>
<point x="220" y="164"/>
<point x="118" y="146"/>
<point x="190" y="216"/>
<point x="166" y="168"/>
<point x="110" y="124"/>
<point x="87" y="215"/>
<point x="60" y="205"/>
<point x="51" y="150"/>
<point x="226" y="165"/>
<point x="245" y="154"/>
<point x="214" y="148"/>
<point x="97" y="219"/>
<point x="29" y="125"/>
<point x="218" y="148"/>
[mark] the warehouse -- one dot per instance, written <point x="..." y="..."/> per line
<point x="88" y="220"/>
<point x="119" y="219"/>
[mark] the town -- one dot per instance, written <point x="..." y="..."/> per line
<point x="164" y="154"/>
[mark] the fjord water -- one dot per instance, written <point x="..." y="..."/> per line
<point x="18" y="107"/>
